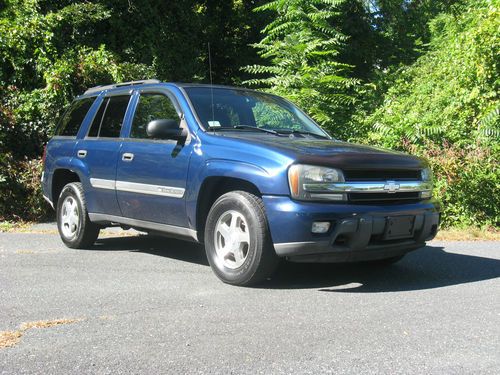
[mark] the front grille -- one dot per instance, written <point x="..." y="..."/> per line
<point x="383" y="197"/>
<point x="381" y="175"/>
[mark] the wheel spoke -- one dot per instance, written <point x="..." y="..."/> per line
<point x="73" y="221"/>
<point x="225" y="231"/>
<point x="243" y="237"/>
<point x="70" y="219"/>
<point x="66" y="209"/>
<point x="238" y="254"/>
<point x="233" y="221"/>
<point x="232" y="239"/>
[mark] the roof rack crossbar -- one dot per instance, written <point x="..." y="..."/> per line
<point x="121" y="84"/>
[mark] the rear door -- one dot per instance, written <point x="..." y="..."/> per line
<point x="61" y="146"/>
<point x="151" y="174"/>
<point x="99" y="152"/>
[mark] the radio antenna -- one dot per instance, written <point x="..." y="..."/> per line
<point x="211" y="84"/>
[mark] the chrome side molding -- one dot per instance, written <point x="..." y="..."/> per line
<point x="102" y="183"/>
<point x="134" y="187"/>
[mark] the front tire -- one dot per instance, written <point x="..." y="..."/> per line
<point x="237" y="240"/>
<point x="73" y="222"/>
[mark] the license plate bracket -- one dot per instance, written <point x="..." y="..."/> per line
<point x="399" y="227"/>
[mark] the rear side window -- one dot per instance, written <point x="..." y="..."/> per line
<point x="109" y="118"/>
<point x="73" y="118"/>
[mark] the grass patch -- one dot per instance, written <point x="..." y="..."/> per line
<point x="11" y="338"/>
<point x="30" y="227"/>
<point x="15" y="226"/>
<point x="7" y="226"/>
<point x="47" y="323"/>
<point x="468" y="234"/>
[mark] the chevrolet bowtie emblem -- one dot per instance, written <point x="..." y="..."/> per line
<point x="391" y="186"/>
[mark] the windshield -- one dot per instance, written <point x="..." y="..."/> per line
<point x="244" y="109"/>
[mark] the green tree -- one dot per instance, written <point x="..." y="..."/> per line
<point x="44" y="65"/>
<point x="302" y="45"/>
<point x="450" y="93"/>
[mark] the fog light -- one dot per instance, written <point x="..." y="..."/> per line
<point x="426" y="194"/>
<point x="320" y="226"/>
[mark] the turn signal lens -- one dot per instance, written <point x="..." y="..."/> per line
<point x="293" y="178"/>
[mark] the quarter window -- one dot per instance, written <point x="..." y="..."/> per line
<point x="151" y="107"/>
<point x="73" y="118"/>
<point x="109" y="119"/>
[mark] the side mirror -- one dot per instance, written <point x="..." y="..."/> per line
<point x="165" y="129"/>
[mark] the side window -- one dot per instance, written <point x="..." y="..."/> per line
<point x="109" y="118"/>
<point x="96" y="123"/>
<point x="73" y="118"/>
<point x="151" y="107"/>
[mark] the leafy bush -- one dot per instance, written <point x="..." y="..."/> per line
<point x="467" y="182"/>
<point x="446" y="108"/>
<point x="20" y="190"/>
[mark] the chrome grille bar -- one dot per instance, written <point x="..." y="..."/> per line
<point x="370" y="187"/>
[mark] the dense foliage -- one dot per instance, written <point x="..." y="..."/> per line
<point x="302" y="44"/>
<point x="446" y="107"/>
<point x="415" y="75"/>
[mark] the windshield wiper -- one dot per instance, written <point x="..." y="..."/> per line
<point x="256" y="128"/>
<point x="293" y="131"/>
<point x="250" y="127"/>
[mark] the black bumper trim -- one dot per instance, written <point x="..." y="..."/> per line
<point x="359" y="240"/>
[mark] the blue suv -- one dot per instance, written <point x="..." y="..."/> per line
<point x="246" y="173"/>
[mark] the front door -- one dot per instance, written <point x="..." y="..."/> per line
<point x="151" y="174"/>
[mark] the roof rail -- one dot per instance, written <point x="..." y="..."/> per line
<point x="122" y="84"/>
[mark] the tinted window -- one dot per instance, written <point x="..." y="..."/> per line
<point x="96" y="123"/>
<point x="73" y="118"/>
<point x="151" y="107"/>
<point x="222" y="108"/>
<point x="109" y="119"/>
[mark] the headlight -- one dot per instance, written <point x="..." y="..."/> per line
<point x="426" y="174"/>
<point x="300" y="175"/>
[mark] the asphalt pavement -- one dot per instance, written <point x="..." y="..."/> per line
<point x="143" y="305"/>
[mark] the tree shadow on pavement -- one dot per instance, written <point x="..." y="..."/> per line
<point x="427" y="268"/>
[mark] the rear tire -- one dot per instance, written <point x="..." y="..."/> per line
<point x="73" y="222"/>
<point x="237" y="240"/>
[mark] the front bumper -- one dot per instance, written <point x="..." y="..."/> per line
<point x="357" y="232"/>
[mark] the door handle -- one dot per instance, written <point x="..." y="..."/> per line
<point x="127" y="156"/>
<point x="82" y="153"/>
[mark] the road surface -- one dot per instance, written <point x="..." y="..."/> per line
<point x="152" y="305"/>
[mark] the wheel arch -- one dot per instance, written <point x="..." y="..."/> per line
<point x="60" y="178"/>
<point x="211" y="189"/>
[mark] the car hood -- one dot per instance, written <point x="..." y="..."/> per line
<point x="334" y="153"/>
